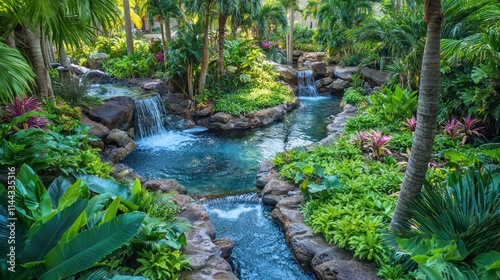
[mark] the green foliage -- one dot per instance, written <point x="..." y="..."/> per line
<point x="302" y="34"/>
<point x="455" y="221"/>
<point x="393" y="105"/>
<point x="62" y="231"/>
<point x="74" y="92"/>
<point x="68" y="117"/>
<point x="353" y="97"/>
<point x="137" y="65"/>
<point x="363" y="122"/>
<point x="16" y="75"/>
<point x="43" y="254"/>
<point x="164" y="264"/>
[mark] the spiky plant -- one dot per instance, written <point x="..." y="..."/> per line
<point x="21" y="106"/>
<point x="453" y="128"/>
<point x="359" y="139"/>
<point x="411" y="123"/>
<point x="377" y="143"/>
<point x="470" y="128"/>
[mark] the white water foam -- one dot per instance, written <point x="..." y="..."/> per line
<point x="169" y="140"/>
<point x="234" y="214"/>
<point x="195" y="129"/>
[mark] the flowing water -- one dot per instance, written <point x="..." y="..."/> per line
<point x="148" y="116"/>
<point x="307" y="85"/>
<point x="225" y="164"/>
<point x="259" y="243"/>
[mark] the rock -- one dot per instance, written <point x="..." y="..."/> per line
<point x="292" y="202"/>
<point x="272" y="199"/>
<point x="194" y="212"/>
<point x="305" y="247"/>
<point x="95" y="76"/>
<point x="165" y="185"/>
<point x="225" y="245"/>
<point x="116" y="112"/>
<point x="96" y="128"/>
<point x="309" y="57"/>
<point x="78" y="70"/>
<point x="318" y="69"/>
<point x="346" y="270"/>
<point x="329" y="71"/>
<point x="330" y="253"/>
<point x="96" y="60"/>
<point x="182" y="200"/>
<point x="266" y="173"/>
<point x="338" y="86"/>
<point x="325" y="81"/>
<point x="121" y="171"/>
<point x="206" y="110"/>
<point x="345" y="73"/>
<point x="278" y="187"/>
<point x="119" y="137"/>
<point x="150" y="85"/>
<point x="287" y="74"/>
<point x="296" y="54"/>
<point x="374" y="76"/>
<point x="179" y="105"/>
<point x="221" y="117"/>
<point x="338" y="124"/>
<point x="218" y="263"/>
<point x="284" y="217"/>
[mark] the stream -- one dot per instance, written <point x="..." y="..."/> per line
<point x="224" y="165"/>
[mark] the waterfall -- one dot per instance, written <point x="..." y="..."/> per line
<point x="148" y="116"/>
<point x="307" y="85"/>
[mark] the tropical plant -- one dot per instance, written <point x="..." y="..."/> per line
<point x="74" y="92"/>
<point x="184" y="56"/>
<point x="455" y="222"/>
<point x="411" y="124"/>
<point x="470" y="127"/>
<point x="453" y="128"/>
<point x="353" y="97"/>
<point x="19" y="107"/>
<point x="393" y="105"/>
<point x="54" y="244"/>
<point x="270" y="18"/>
<point x="428" y="100"/>
<point x="164" y="264"/>
<point x="16" y="76"/>
<point x="377" y="143"/>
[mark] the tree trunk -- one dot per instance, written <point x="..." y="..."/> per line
<point x="204" y="59"/>
<point x="168" y="30"/>
<point x="289" y="52"/>
<point x="63" y="58"/>
<point x="220" y="57"/>
<point x="162" y="30"/>
<point x="190" y="80"/>
<point x="423" y="138"/>
<point x="28" y="43"/>
<point x="128" y="27"/>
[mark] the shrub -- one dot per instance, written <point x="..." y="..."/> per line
<point x="393" y="105"/>
<point x="353" y="97"/>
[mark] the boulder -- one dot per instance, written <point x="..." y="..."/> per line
<point x="338" y="86"/>
<point x="318" y="69"/>
<point x="346" y="270"/>
<point x="225" y="245"/>
<point x="309" y="57"/>
<point x="165" y="185"/>
<point x="266" y="173"/>
<point x="325" y="81"/>
<point x="374" y="76"/>
<point x="121" y="171"/>
<point x="179" y="104"/>
<point x="221" y="117"/>
<point x="78" y="70"/>
<point x="305" y="247"/>
<point x="96" y="60"/>
<point x="278" y="187"/>
<point x="345" y="73"/>
<point x="119" y="145"/>
<point x="116" y="112"/>
<point x="96" y="128"/>
<point x="194" y="212"/>
<point x="287" y="74"/>
<point x="95" y="76"/>
<point x="150" y="85"/>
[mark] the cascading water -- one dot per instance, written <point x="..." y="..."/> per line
<point x="307" y="85"/>
<point x="148" y="117"/>
<point x="260" y="251"/>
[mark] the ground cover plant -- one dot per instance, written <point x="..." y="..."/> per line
<point x="351" y="190"/>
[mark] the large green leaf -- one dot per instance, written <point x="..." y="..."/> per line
<point x="75" y="192"/>
<point x="32" y="200"/>
<point x="90" y="246"/>
<point x="48" y="234"/>
<point x="57" y="189"/>
<point x="100" y="185"/>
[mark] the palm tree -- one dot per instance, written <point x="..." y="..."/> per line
<point x="271" y="13"/>
<point x="291" y="6"/>
<point x="164" y="10"/>
<point x="128" y="27"/>
<point x="202" y="8"/>
<point x="60" y="22"/>
<point x="233" y="9"/>
<point x="16" y="75"/>
<point x="427" y="112"/>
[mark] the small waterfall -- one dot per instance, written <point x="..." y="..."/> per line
<point x="307" y="85"/>
<point x="148" y="116"/>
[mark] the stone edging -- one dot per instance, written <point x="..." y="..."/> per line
<point x="311" y="250"/>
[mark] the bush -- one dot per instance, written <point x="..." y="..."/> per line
<point x="353" y="97"/>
